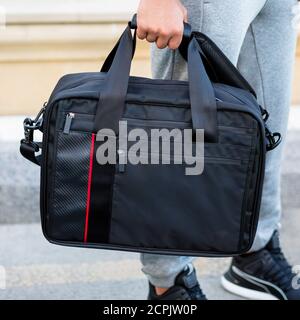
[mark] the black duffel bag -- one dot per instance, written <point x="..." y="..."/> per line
<point x="153" y="208"/>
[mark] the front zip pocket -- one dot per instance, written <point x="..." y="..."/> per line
<point x="121" y="157"/>
<point x="161" y="124"/>
<point x="84" y="121"/>
<point x="80" y="122"/>
<point x="68" y="122"/>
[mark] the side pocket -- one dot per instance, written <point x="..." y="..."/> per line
<point x="67" y="215"/>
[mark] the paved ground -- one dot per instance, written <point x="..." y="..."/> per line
<point x="36" y="269"/>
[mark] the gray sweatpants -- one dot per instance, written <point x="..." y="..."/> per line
<point x="258" y="37"/>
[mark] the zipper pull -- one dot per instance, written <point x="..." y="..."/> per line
<point x="69" y="117"/>
<point x="121" y="160"/>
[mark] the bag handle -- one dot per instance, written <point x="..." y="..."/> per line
<point x="220" y="68"/>
<point x="113" y="95"/>
<point x="110" y="58"/>
<point x="182" y="49"/>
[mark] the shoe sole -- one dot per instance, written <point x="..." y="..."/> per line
<point x="244" y="292"/>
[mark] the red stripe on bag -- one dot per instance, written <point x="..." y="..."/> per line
<point x="88" y="199"/>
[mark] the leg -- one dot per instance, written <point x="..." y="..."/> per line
<point x="266" y="60"/>
<point x="269" y="49"/>
<point x="161" y="270"/>
<point x="226" y="22"/>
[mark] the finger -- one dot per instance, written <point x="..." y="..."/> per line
<point x="141" y="33"/>
<point x="162" y="42"/>
<point x="175" y="41"/>
<point x="185" y="15"/>
<point x="151" y="37"/>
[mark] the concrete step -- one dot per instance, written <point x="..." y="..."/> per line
<point x="36" y="269"/>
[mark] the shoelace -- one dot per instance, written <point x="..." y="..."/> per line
<point x="280" y="258"/>
<point x="196" y="293"/>
<point x="280" y="273"/>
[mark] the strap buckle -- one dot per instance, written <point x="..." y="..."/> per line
<point x="265" y="114"/>
<point x="273" y="139"/>
<point x="28" y="147"/>
<point x="31" y="125"/>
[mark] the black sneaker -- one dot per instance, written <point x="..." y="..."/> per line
<point x="262" y="275"/>
<point x="186" y="287"/>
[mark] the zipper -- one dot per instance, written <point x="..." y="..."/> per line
<point x="121" y="166"/>
<point x="68" y="122"/>
<point x="222" y="160"/>
<point x="89" y="79"/>
<point x="151" y="123"/>
<point x="158" y="123"/>
<point x="178" y="125"/>
<point x="121" y="155"/>
<point x="237" y="130"/>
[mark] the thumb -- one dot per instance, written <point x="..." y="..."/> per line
<point x="185" y="15"/>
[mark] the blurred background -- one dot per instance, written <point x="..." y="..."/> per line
<point x="41" y="40"/>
